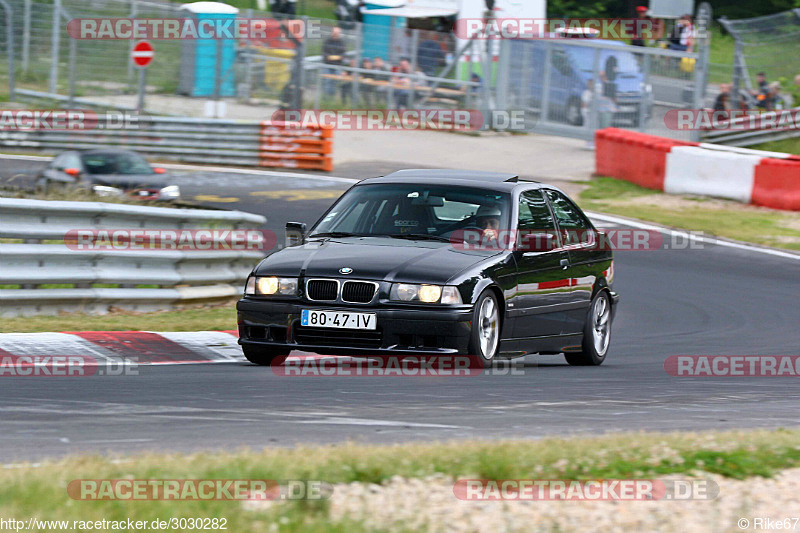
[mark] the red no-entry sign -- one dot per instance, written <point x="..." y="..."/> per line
<point x="142" y="54"/>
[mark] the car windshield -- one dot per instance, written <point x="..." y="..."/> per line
<point x="413" y="211"/>
<point x="116" y="163"/>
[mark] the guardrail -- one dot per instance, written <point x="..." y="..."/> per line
<point x="132" y="279"/>
<point x="218" y="141"/>
<point x="736" y="132"/>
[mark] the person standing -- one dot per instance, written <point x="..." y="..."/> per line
<point x="642" y="22"/>
<point x="333" y="52"/>
<point x="430" y="55"/>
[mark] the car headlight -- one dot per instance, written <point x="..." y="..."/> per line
<point x="408" y="292"/>
<point x="170" y="191"/>
<point x="104" y="190"/>
<point x="271" y="285"/>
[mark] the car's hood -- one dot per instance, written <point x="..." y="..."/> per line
<point x="129" y="181"/>
<point x="373" y="258"/>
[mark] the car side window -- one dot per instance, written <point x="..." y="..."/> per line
<point x="534" y="219"/>
<point x="561" y="62"/>
<point x="58" y="162"/>
<point x="71" y="161"/>
<point x="575" y="227"/>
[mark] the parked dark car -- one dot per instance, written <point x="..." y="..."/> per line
<point x="108" y="172"/>
<point x="388" y="269"/>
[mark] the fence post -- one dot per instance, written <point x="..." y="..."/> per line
<point x="73" y="49"/>
<point x="55" y="36"/>
<point x="646" y="96"/>
<point x="132" y="43"/>
<point x="597" y="93"/>
<point x="487" y="73"/>
<point x="26" y="35"/>
<point x="354" y="88"/>
<point x="701" y="65"/>
<point x="503" y="62"/>
<point x="544" y="113"/>
<point x="9" y="47"/>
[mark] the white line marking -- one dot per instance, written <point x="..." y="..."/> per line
<point x="371" y="422"/>
<point x="684" y="234"/>
<point x="109" y="441"/>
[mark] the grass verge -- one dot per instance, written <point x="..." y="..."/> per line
<point x="720" y="218"/>
<point x="209" y="318"/>
<point x="789" y="146"/>
<point x="737" y="454"/>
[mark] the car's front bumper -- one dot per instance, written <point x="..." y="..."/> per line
<point x="399" y="329"/>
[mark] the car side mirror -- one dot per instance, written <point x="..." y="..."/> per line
<point x="74" y="172"/>
<point x="535" y="241"/>
<point x="295" y="233"/>
<point x="159" y="170"/>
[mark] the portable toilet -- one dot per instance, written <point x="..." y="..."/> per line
<point x="203" y="60"/>
<point x="378" y="31"/>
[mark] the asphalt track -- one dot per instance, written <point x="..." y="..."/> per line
<point x="712" y="301"/>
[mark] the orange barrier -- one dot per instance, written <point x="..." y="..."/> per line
<point x="292" y="145"/>
<point x="633" y="156"/>
<point x="776" y="183"/>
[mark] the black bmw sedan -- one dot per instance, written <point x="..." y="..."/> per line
<point x="436" y="262"/>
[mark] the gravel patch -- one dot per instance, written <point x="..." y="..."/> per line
<point x="429" y="505"/>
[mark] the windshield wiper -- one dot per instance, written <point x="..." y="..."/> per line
<point x="336" y="234"/>
<point x="418" y="237"/>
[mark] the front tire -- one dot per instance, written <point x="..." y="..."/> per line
<point x="264" y="355"/>
<point x="485" y="336"/>
<point x="596" y="334"/>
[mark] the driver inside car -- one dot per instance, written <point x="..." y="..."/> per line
<point x="488" y="219"/>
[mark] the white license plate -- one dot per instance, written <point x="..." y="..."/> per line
<point x="338" y="319"/>
<point x="627" y="109"/>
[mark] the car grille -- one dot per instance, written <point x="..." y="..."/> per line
<point x="322" y="289"/>
<point x="338" y="337"/>
<point x="358" y="292"/>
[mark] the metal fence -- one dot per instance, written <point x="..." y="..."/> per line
<point x="547" y="80"/>
<point x="42" y="275"/>
<point x="573" y="87"/>
<point x="769" y="44"/>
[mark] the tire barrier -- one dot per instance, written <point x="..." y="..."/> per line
<point x="768" y="179"/>
<point x="289" y="145"/>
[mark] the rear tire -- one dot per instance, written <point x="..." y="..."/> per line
<point x="485" y="336"/>
<point x="264" y="355"/>
<point x="596" y="334"/>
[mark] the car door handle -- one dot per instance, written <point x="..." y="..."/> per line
<point x="564" y="263"/>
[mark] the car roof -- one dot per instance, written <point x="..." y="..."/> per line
<point x="500" y="181"/>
